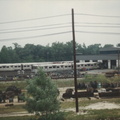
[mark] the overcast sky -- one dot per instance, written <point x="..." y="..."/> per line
<point x="46" y="21"/>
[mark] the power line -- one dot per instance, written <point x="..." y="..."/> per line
<point x="29" y="37"/>
<point x="110" y="33"/>
<point x="33" y="29"/>
<point x="36" y="26"/>
<point x="53" y="28"/>
<point x="98" y="26"/>
<point x="97" y="23"/>
<point x="3" y="32"/>
<point x="14" y="21"/>
<point x="97" y="15"/>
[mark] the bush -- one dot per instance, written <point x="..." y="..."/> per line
<point x="55" y="116"/>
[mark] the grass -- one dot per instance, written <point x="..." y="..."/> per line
<point x="95" y="115"/>
<point x="113" y="114"/>
<point x="18" y="84"/>
<point x="85" y="102"/>
<point x="18" y="118"/>
<point x="62" y="82"/>
<point x="18" y="108"/>
<point x="91" y="115"/>
<point x="23" y="84"/>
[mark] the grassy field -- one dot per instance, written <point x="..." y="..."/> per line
<point x="63" y="82"/>
<point x="6" y="110"/>
<point x="89" y="115"/>
<point x="105" y="114"/>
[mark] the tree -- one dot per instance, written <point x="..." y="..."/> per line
<point x="108" y="46"/>
<point x="118" y="45"/>
<point x="93" y="49"/>
<point x="42" y="95"/>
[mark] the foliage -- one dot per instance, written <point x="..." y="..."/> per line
<point x="42" y="95"/>
<point x="18" y="84"/>
<point x="55" y="116"/>
<point x="38" y="53"/>
<point x="99" y="78"/>
<point x="108" y="46"/>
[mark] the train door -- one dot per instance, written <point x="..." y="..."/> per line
<point x="105" y="64"/>
<point x="113" y="64"/>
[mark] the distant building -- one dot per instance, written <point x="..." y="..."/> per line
<point x="108" y="57"/>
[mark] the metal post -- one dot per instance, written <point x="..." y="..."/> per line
<point x="74" y="54"/>
<point x="118" y="61"/>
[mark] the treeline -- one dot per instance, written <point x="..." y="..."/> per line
<point x="38" y="53"/>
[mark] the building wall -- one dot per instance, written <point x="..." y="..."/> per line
<point x="108" y="57"/>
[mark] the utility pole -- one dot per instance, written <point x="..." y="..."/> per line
<point x="74" y="54"/>
<point x="118" y="61"/>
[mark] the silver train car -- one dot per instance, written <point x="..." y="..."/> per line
<point x="66" y="66"/>
<point x="48" y="66"/>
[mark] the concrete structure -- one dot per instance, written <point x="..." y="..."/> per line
<point x="108" y="57"/>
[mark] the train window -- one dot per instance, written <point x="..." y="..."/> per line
<point x="54" y="66"/>
<point x="45" y="67"/>
<point x="81" y="64"/>
<point x="28" y="66"/>
<point x="91" y="64"/>
<point x="95" y="61"/>
<point x="15" y="66"/>
<point x="24" y="65"/>
<point x="66" y="66"/>
<point x="78" y="65"/>
<point x="88" y="64"/>
<point x="11" y="66"/>
<point x="4" y="66"/>
<point x="7" y="66"/>
<point x="85" y="65"/>
<point x="58" y="67"/>
<point x="61" y="66"/>
<point x="0" y="67"/>
<point x="69" y="66"/>
<point x="50" y="67"/>
<point x="87" y="60"/>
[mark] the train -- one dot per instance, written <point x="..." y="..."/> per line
<point x="12" y="70"/>
<point x="48" y="66"/>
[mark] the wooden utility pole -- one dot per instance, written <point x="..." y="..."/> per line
<point x="118" y="61"/>
<point x="74" y="54"/>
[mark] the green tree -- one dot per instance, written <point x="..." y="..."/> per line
<point x="93" y="49"/>
<point x="118" y="45"/>
<point x="108" y="46"/>
<point x="42" y="95"/>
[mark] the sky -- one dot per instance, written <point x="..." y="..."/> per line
<point x="44" y="22"/>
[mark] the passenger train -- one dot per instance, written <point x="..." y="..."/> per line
<point x="48" y="66"/>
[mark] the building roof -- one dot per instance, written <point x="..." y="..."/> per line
<point x="110" y="49"/>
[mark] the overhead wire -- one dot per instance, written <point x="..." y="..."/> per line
<point x="97" y="26"/>
<point x="32" y="19"/>
<point x="45" y="27"/>
<point x="97" y="23"/>
<point x="86" y="14"/>
<point x="37" y="36"/>
<point x="93" y="32"/>
<point x="36" y="26"/>
<point x="33" y="29"/>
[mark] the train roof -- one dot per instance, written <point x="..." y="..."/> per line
<point x="46" y="63"/>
